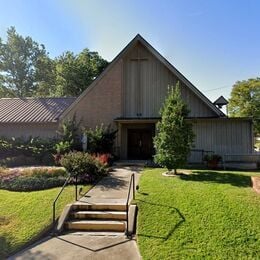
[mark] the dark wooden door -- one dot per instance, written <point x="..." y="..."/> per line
<point x="140" y="144"/>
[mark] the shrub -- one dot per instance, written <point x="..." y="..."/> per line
<point x="68" y="134"/>
<point x="212" y="157"/>
<point x="105" y="158"/>
<point x="33" y="150"/>
<point x="32" y="179"/>
<point x="18" y="160"/>
<point x="31" y="183"/>
<point x="101" y="139"/>
<point x="84" y="165"/>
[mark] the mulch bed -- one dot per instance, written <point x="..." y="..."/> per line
<point x="256" y="183"/>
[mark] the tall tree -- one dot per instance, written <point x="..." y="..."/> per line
<point x="76" y="72"/>
<point x="245" y="101"/>
<point x="175" y="136"/>
<point x="45" y="77"/>
<point x="19" y="57"/>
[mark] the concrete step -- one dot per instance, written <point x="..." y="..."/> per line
<point x="96" y="225"/>
<point x="108" y="215"/>
<point x="99" y="206"/>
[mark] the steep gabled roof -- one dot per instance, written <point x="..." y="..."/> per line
<point x="33" y="110"/>
<point x="181" y="77"/>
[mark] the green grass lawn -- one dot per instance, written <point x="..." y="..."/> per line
<point x="24" y="214"/>
<point x="208" y="214"/>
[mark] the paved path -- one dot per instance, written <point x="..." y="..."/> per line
<point x="86" y="245"/>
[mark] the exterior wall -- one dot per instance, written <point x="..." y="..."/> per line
<point x="102" y="102"/>
<point x="223" y="136"/>
<point x="43" y="130"/>
<point x="146" y="82"/>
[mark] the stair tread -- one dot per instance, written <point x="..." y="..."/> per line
<point x="98" y="212"/>
<point x="99" y="206"/>
<point x="100" y="203"/>
<point x="96" y="222"/>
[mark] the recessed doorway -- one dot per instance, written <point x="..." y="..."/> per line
<point x="139" y="144"/>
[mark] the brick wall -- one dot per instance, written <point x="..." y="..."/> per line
<point x="102" y="101"/>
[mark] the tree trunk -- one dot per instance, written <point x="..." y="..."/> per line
<point x="175" y="171"/>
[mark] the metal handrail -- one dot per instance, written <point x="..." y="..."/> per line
<point x="57" y="197"/>
<point x="131" y="184"/>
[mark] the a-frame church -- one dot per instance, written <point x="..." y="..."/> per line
<point x="128" y="96"/>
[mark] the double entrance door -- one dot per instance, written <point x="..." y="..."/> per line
<point x="140" y="144"/>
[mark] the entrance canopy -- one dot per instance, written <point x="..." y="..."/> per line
<point x="137" y="120"/>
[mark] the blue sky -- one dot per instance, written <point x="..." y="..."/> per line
<point x="213" y="43"/>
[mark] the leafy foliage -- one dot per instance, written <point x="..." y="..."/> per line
<point x="212" y="157"/>
<point x="32" y="179"/>
<point x="69" y="136"/>
<point x="84" y="165"/>
<point x="174" y="136"/>
<point x="36" y="148"/>
<point x="101" y="139"/>
<point x="63" y="147"/>
<point x="76" y="72"/>
<point x="245" y="101"/>
<point x="26" y="69"/>
<point x="19" y="60"/>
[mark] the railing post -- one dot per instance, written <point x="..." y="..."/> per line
<point x="76" y="188"/>
<point x="54" y="202"/>
<point x="53" y="216"/>
<point x="127" y="219"/>
<point x="133" y="176"/>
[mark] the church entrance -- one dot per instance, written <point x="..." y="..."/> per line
<point x="139" y="144"/>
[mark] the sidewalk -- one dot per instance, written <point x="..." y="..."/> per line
<point x="87" y="245"/>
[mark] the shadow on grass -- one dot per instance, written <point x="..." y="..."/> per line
<point x="238" y="180"/>
<point x="172" y="228"/>
<point x="5" y="247"/>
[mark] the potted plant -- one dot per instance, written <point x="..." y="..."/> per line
<point x="212" y="160"/>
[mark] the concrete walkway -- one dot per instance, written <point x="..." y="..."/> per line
<point x="87" y="245"/>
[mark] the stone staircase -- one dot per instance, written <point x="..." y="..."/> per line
<point x="98" y="217"/>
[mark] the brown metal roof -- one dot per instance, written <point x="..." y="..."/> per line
<point x="32" y="110"/>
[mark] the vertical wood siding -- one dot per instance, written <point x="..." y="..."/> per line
<point x="223" y="136"/>
<point x="146" y="82"/>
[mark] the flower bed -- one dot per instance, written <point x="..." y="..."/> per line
<point x="32" y="178"/>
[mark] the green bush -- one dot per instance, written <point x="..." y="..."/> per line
<point x="69" y="136"/>
<point x="32" y="183"/>
<point x="101" y="139"/>
<point x="19" y="160"/>
<point x="84" y="165"/>
<point x="32" y="179"/>
<point x="33" y="151"/>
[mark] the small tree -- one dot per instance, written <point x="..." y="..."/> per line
<point x="101" y="139"/>
<point x="69" y="134"/>
<point x="174" y="137"/>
